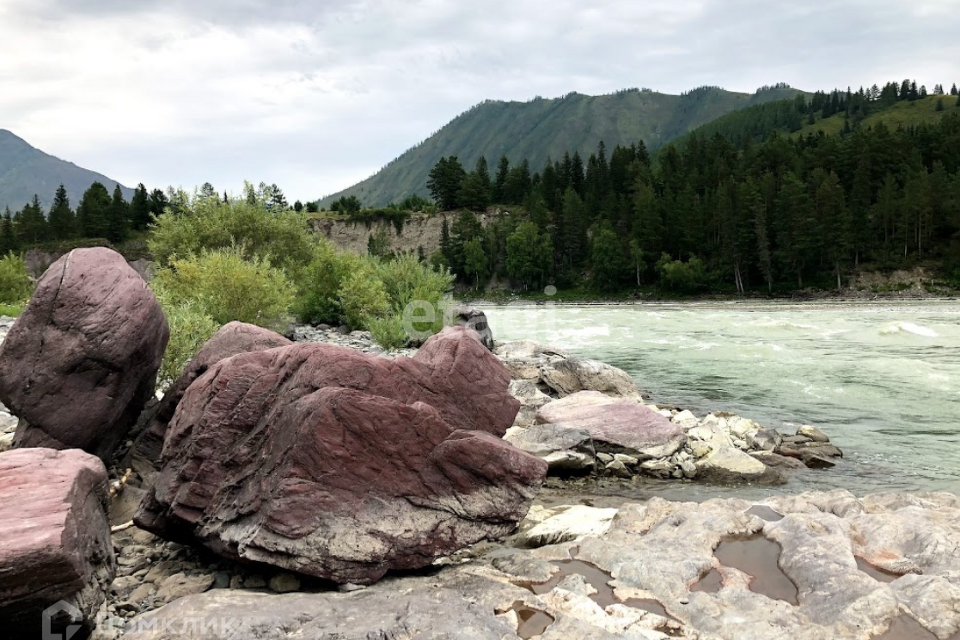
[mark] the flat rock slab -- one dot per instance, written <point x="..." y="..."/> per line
<point x="728" y="465"/>
<point x="621" y="422"/>
<point x="324" y="461"/>
<point x="412" y="609"/>
<point x="81" y="361"/>
<point x="55" y="547"/>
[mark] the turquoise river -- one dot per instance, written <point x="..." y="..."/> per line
<point x="882" y="379"/>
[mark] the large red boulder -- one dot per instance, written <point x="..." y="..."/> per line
<point x="81" y="361"/>
<point x="231" y="339"/>
<point x="55" y="549"/>
<point x="340" y="465"/>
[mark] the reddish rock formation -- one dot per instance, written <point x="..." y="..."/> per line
<point x="340" y="465"/>
<point x="55" y="547"/>
<point x="231" y="339"/>
<point x="81" y="361"/>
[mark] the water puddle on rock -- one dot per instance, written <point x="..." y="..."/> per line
<point x="709" y="583"/>
<point x="532" y="622"/>
<point x="598" y="579"/>
<point x="595" y="577"/>
<point x="758" y="558"/>
<point x="876" y="573"/>
<point x="764" y="512"/>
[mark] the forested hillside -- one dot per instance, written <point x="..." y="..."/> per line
<point x="25" y="171"/>
<point x="722" y="212"/>
<point x="546" y="128"/>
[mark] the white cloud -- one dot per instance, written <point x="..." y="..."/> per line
<point x="317" y="95"/>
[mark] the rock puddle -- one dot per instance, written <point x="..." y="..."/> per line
<point x="757" y="557"/>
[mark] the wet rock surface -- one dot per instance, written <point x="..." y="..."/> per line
<point x="80" y="362"/>
<point x="333" y="464"/>
<point x="55" y="549"/>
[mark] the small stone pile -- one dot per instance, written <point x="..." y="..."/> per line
<point x="343" y="337"/>
<point x="584" y="416"/>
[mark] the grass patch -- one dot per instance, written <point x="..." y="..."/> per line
<point x="11" y="310"/>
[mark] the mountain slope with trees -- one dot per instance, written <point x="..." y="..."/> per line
<point x="730" y="211"/>
<point x="25" y="171"/>
<point x="546" y="128"/>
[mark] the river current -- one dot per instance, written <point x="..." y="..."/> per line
<point x="881" y="379"/>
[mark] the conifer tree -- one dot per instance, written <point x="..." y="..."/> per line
<point x="8" y="239"/>
<point x="61" y="218"/>
<point x="33" y="225"/>
<point x="117" y="212"/>
<point x="503" y="170"/>
<point x="92" y="215"/>
<point x="140" y="209"/>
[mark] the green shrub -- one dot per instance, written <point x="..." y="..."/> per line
<point x="190" y="328"/>
<point x="225" y="285"/>
<point x="319" y="284"/>
<point x="15" y="285"/>
<point x="362" y="296"/>
<point x="681" y="276"/>
<point x="282" y="237"/>
<point x="388" y="332"/>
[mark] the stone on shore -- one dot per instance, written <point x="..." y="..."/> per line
<point x="561" y="375"/>
<point x="81" y="361"/>
<point x="55" y="549"/>
<point x="476" y="320"/>
<point x="730" y="465"/>
<point x="619" y="425"/>
<point x="330" y="463"/>
<point x="231" y="339"/>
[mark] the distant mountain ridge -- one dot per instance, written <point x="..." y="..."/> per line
<point x="25" y="171"/>
<point x="543" y="128"/>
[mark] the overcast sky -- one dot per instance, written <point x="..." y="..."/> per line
<point x="317" y="95"/>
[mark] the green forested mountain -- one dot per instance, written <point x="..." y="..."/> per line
<point x="25" y="171"/>
<point x="542" y="129"/>
<point x="726" y="208"/>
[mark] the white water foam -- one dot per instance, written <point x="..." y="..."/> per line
<point x="908" y="327"/>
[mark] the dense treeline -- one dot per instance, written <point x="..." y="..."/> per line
<point x="98" y="215"/>
<point x="788" y="116"/>
<point x="712" y="213"/>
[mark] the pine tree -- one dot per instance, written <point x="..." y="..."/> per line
<point x="33" y="225"/>
<point x="8" y="239"/>
<point x="92" y="216"/>
<point x="158" y="202"/>
<point x="61" y="218"/>
<point x="503" y="170"/>
<point x="117" y="212"/>
<point x="140" y="209"/>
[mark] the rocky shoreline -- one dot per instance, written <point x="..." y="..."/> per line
<point x="221" y="537"/>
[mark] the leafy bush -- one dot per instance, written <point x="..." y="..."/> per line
<point x="388" y="332"/>
<point x="225" y="285"/>
<point x="681" y="276"/>
<point x="319" y="283"/>
<point x="282" y="237"/>
<point x="15" y="285"/>
<point x="190" y="328"/>
<point x="362" y="296"/>
<point x="416" y="293"/>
